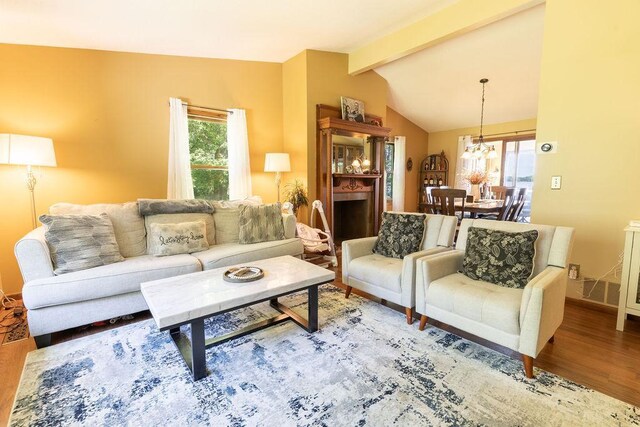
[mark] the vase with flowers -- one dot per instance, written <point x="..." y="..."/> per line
<point x="475" y="179"/>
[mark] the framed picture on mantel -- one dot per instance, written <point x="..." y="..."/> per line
<point x="352" y="109"/>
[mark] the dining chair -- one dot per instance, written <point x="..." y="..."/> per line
<point x="515" y="210"/>
<point x="499" y="191"/>
<point x="507" y="202"/>
<point x="444" y="199"/>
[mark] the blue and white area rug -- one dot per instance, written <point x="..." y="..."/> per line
<point x="365" y="366"/>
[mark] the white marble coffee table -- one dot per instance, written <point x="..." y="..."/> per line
<point x="191" y="298"/>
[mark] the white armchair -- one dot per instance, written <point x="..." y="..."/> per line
<point x="393" y="279"/>
<point x="523" y="320"/>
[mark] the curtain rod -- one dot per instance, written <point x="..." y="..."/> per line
<point x="207" y="108"/>
<point x="515" y="132"/>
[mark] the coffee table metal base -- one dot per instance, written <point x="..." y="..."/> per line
<point x="193" y="350"/>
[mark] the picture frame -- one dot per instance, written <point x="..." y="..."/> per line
<point x="352" y="109"/>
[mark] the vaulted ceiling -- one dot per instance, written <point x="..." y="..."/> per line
<point x="437" y="88"/>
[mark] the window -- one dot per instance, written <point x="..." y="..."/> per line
<point x="209" y="154"/>
<point x="388" y="169"/>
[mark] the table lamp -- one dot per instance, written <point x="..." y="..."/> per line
<point x="277" y="162"/>
<point x="29" y="151"/>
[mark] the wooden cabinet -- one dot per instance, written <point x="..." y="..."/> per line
<point x="434" y="172"/>
<point x="353" y="202"/>
<point x="629" y="289"/>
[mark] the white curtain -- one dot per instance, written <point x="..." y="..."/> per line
<point x="238" y="146"/>
<point x="462" y="165"/>
<point x="399" y="154"/>
<point x="179" y="184"/>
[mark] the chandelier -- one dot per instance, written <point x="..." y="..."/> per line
<point x="479" y="148"/>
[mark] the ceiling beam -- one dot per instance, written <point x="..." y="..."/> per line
<point x="453" y="21"/>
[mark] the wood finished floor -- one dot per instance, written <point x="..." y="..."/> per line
<point x="587" y="350"/>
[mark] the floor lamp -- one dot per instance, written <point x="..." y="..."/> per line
<point x="277" y="162"/>
<point x="30" y="151"/>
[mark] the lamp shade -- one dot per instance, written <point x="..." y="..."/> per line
<point x="26" y="150"/>
<point x="277" y="162"/>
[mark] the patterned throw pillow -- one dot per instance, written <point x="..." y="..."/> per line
<point x="500" y="257"/>
<point x="400" y="234"/>
<point x="262" y="223"/>
<point x="173" y="239"/>
<point x="79" y="242"/>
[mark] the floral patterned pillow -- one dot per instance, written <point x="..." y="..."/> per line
<point x="400" y="234"/>
<point x="500" y="257"/>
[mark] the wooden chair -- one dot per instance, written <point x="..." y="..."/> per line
<point x="499" y="191"/>
<point x="507" y="202"/>
<point x="516" y="207"/>
<point x="444" y="199"/>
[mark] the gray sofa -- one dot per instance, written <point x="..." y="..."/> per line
<point x="58" y="302"/>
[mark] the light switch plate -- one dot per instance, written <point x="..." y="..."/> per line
<point x="556" y="182"/>
<point x="547" y="147"/>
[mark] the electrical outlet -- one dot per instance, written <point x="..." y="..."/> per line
<point x="574" y="271"/>
<point x="556" y="182"/>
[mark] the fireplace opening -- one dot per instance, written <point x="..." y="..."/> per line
<point x="352" y="219"/>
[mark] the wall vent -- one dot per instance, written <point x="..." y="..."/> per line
<point x="602" y="292"/>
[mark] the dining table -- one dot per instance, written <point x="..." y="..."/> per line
<point x="482" y="206"/>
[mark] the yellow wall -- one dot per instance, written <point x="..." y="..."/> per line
<point x="416" y="147"/>
<point x="590" y="103"/>
<point x="108" y="115"/>
<point x="448" y="140"/>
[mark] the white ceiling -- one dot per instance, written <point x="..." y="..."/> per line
<point x="257" y="30"/>
<point x="438" y="88"/>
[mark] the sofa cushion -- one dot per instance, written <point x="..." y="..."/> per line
<point x="174" y="239"/>
<point x="378" y="270"/>
<point x="128" y="224"/>
<point x="400" y="234"/>
<point x="500" y="257"/>
<point x="182" y="217"/>
<point x="105" y="281"/>
<point x="261" y="223"/>
<point x="235" y="253"/>
<point x="493" y="305"/>
<point x="80" y="242"/>
<point x="227" y="218"/>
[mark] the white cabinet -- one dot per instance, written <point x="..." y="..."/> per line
<point x="629" y="297"/>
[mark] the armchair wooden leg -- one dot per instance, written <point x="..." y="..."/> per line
<point x="423" y="322"/>
<point x="409" y="313"/>
<point x="552" y="339"/>
<point x="348" y="292"/>
<point x="528" y="365"/>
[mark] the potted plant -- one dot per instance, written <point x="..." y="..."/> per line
<point x="296" y="194"/>
<point x="475" y="179"/>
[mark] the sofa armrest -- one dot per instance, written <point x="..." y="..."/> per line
<point x="33" y="256"/>
<point x="434" y="267"/>
<point x="289" y="221"/>
<point x="542" y="309"/>
<point x="408" y="280"/>
<point x="352" y="249"/>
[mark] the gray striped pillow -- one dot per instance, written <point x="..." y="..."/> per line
<point x="79" y="242"/>
<point x="261" y="223"/>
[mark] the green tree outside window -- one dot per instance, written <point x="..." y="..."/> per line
<point x="209" y="159"/>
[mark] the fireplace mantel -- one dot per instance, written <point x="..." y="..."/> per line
<point x="353" y="202"/>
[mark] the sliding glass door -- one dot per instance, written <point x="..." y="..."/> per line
<point x="519" y="167"/>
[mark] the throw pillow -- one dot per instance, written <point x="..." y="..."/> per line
<point x="182" y="238"/>
<point x="261" y="223"/>
<point x="128" y="224"/>
<point x="80" y="242"/>
<point x="179" y="218"/>
<point x="400" y="234"/>
<point x="500" y="257"/>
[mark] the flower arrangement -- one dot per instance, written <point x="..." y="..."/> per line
<point x="476" y="177"/>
